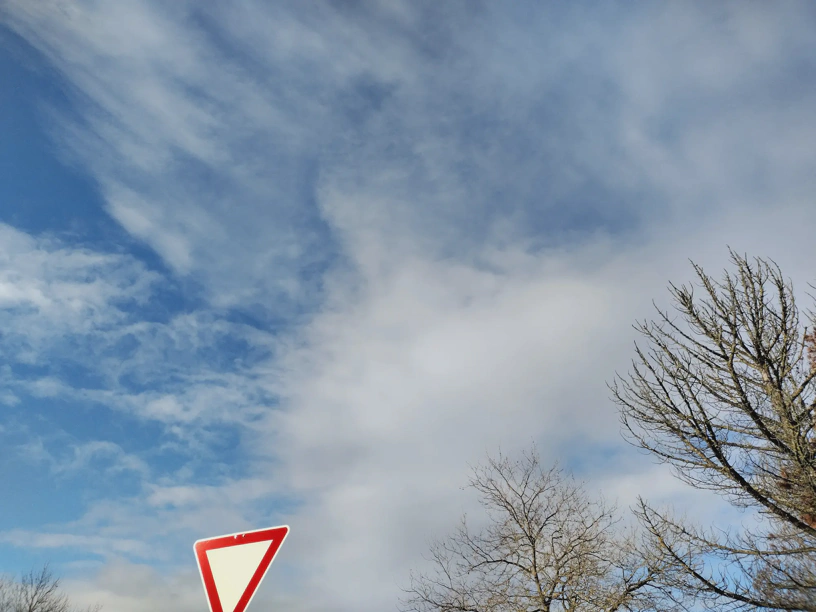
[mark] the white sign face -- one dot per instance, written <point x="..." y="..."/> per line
<point x="233" y="566"/>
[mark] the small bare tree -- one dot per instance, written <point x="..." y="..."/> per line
<point x="725" y="393"/>
<point x="548" y="547"/>
<point x="37" y="591"/>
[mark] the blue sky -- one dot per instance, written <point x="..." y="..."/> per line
<point x="267" y="263"/>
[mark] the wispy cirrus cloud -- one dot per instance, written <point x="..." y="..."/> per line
<point x="53" y="289"/>
<point x="99" y="455"/>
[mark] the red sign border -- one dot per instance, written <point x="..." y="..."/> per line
<point x="275" y="535"/>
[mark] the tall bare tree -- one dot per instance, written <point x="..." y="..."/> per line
<point x="725" y="393"/>
<point x="37" y="591"/>
<point x="548" y="547"/>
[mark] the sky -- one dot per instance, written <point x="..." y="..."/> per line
<point x="304" y="263"/>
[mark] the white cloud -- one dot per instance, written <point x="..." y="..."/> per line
<point x="48" y="291"/>
<point x="389" y="401"/>
<point x="101" y="544"/>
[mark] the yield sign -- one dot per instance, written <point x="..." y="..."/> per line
<point x="232" y="566"/>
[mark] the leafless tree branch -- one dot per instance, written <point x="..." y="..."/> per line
<point x="726" y="394"/>
<point x="548" y="547"/>
<point x="37" y="591"/>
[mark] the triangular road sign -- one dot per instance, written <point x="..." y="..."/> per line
<point x="232" y="566"/>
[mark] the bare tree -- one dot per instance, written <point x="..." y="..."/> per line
<point x="548" y="547"/>
<point x="37" y="591"/>
<point x="725" y="394"/>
